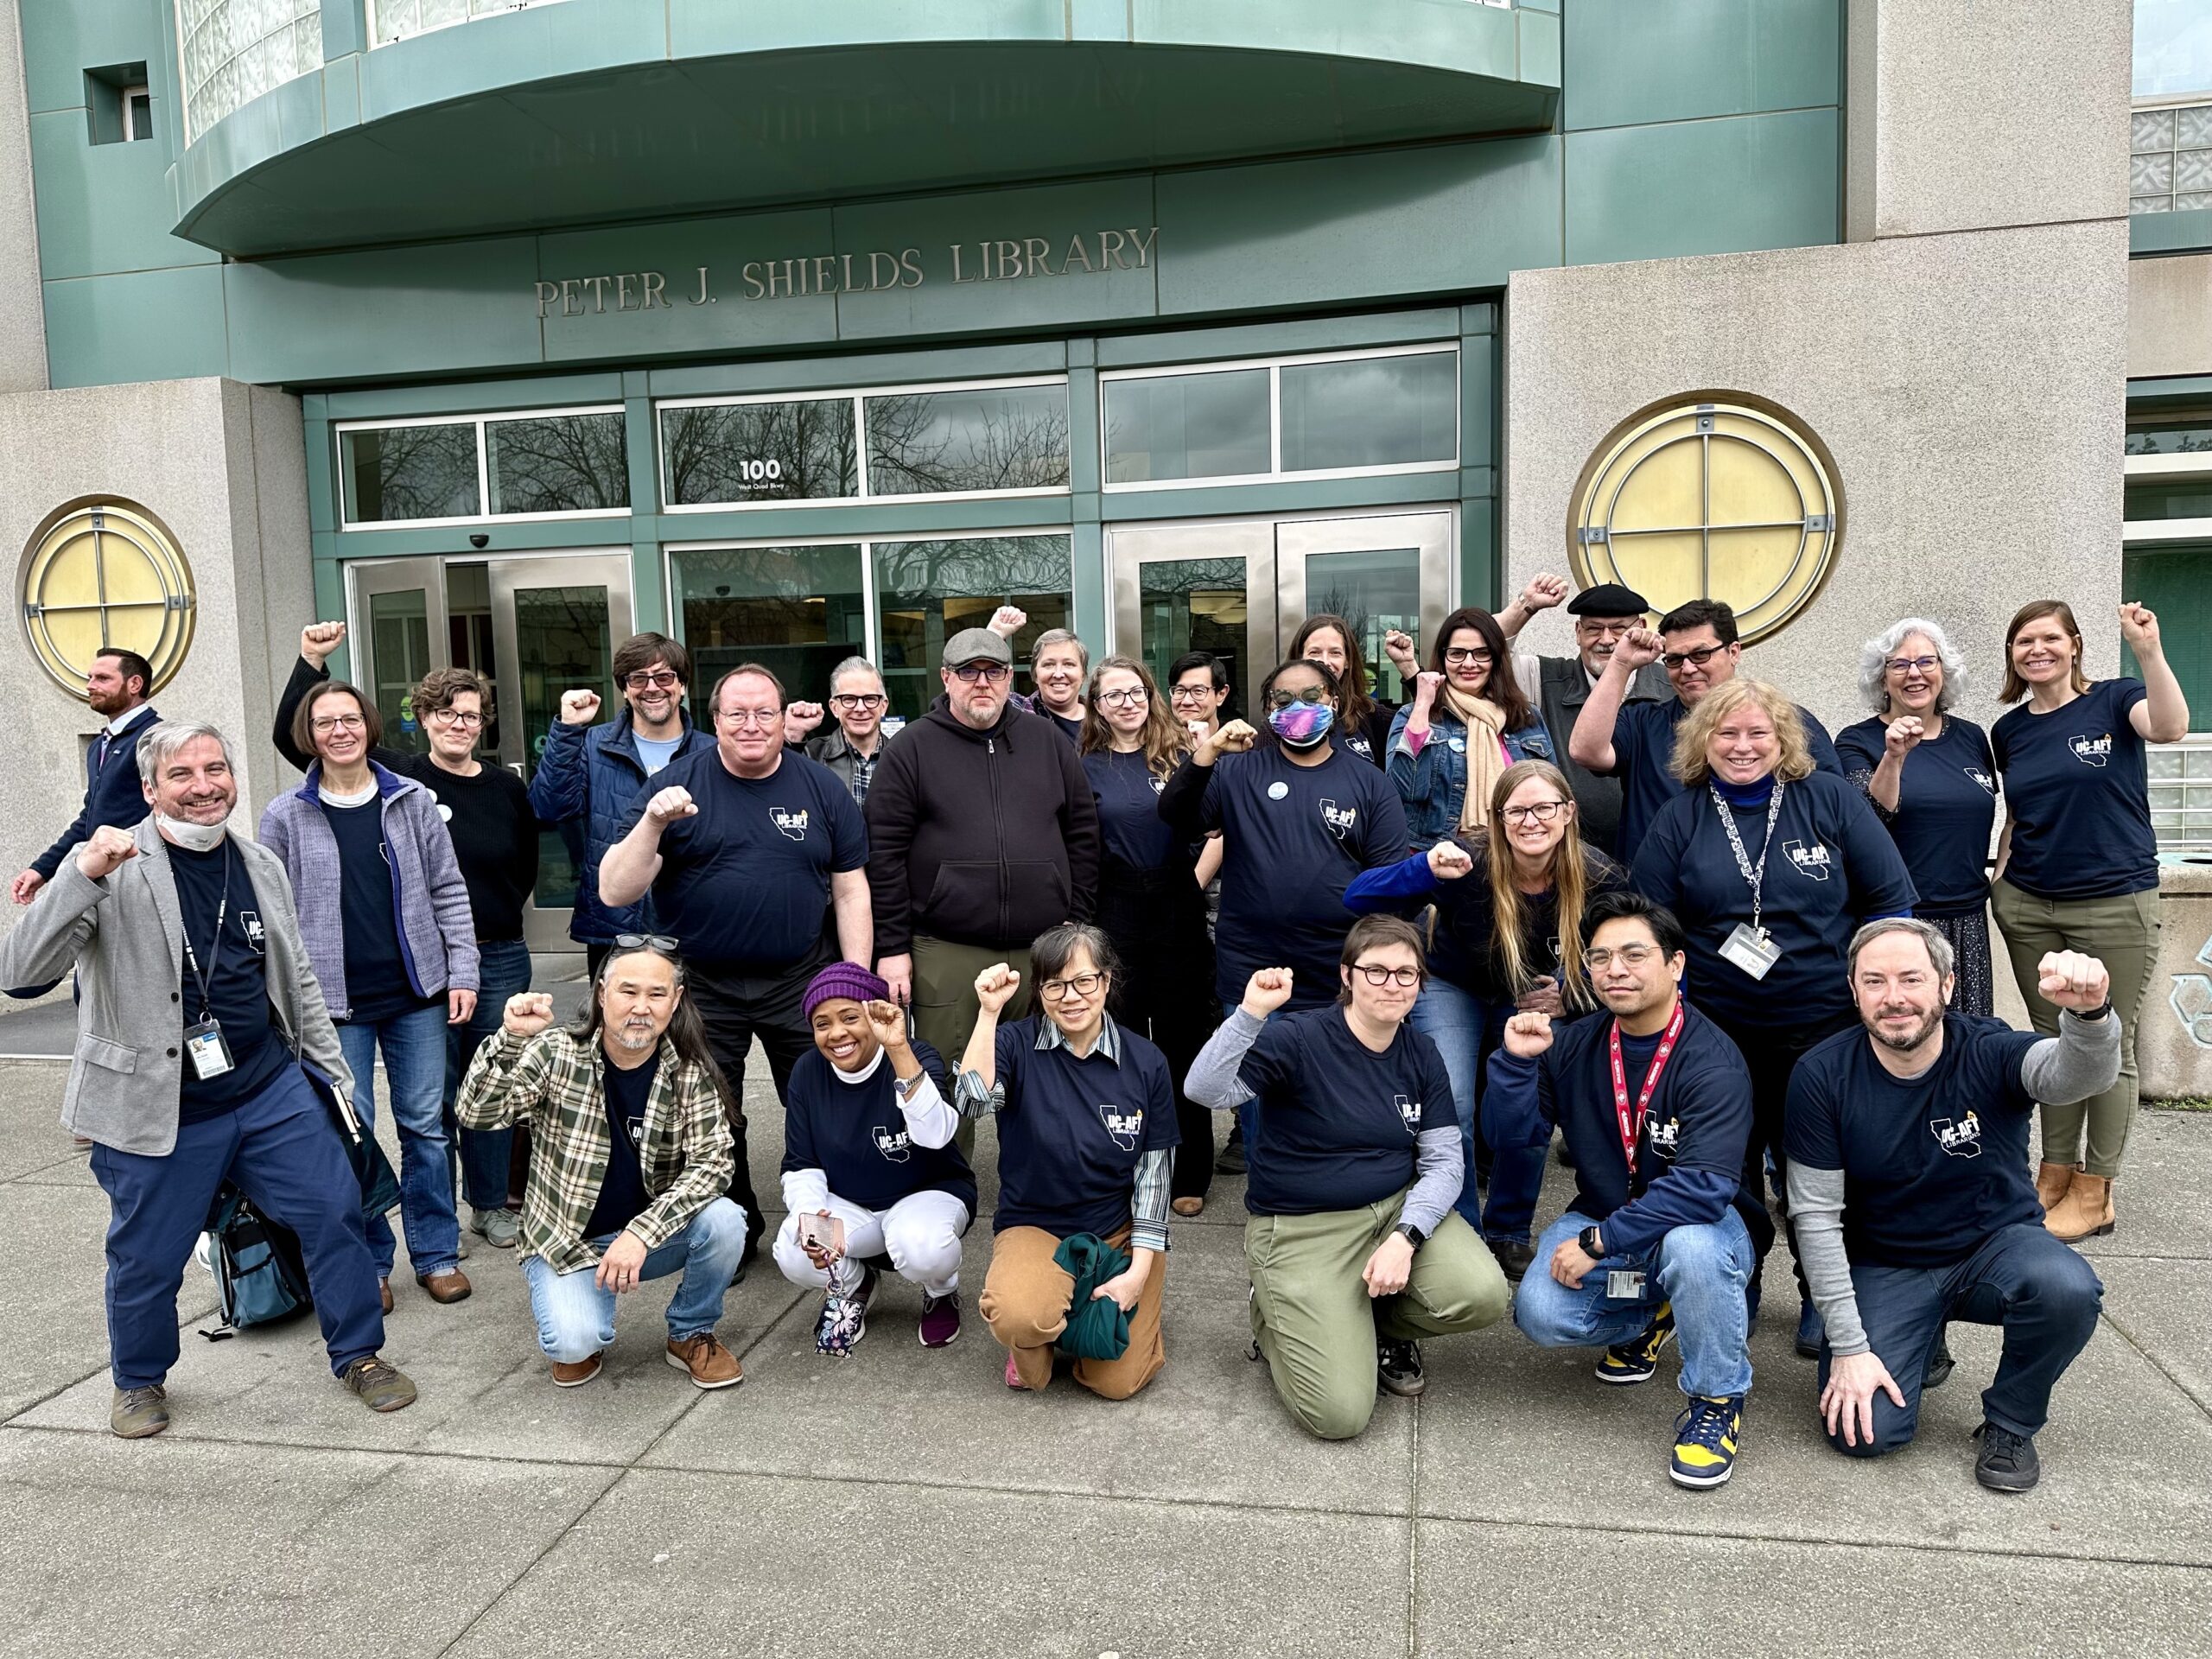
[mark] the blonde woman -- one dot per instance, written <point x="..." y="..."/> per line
<point x="1509" y="904"/>
<point x="1771" y="867"/>
<point x="1151" y="895"/>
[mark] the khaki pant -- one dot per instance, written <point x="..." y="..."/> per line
<point x="1318" y="1326"/>
<point x="1026" y="1299"/>
<point x="946" y="1006"/>
<point x="2120" y="931"/>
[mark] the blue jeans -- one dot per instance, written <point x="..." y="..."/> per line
<point x="1465" y="1028"/>
<point x="2044" y="1296"/>
<point x="281" y="1150"/>
<point x="485" y="1153"/>
<point x="575" y="1317"/>
<point x="414" y="1065"/>
<point x="1702" y="1270"/>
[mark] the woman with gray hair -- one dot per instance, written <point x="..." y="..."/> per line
<point x="1928" y="775"/>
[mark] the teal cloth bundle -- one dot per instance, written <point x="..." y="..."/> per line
<point x="1098" y="1327"/>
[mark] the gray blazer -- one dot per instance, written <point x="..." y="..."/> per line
<point x="124" y="936"/>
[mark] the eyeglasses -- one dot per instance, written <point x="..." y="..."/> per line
<point x="1540" y="812"/>
<point x="849" y="700"/>
<point x="988" y="673"/>
<point x="1128" y="696"/>
<point x="1188" y="693"/>
<point x="451" y="717"/>
<point x="1315" y="698"/>
<point x="1903" y="665"/>
<point x="1634" y="955"/>
<point x="741" y="718"/>
<point x="339" y="723"/>
<point x="1404" y="978"/>
<point x="659" y="942"/>
<point x="1699" y="659"/>
<point x="660" y="681"/>
<point x="1455" y="656"/>
<point x="1603" y="627"/>
<point x="1059" y="990"/>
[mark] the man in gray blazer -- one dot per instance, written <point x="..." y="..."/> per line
<point x="197" y="1024"/>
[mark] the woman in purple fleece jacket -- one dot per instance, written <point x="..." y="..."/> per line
<point x="386" y="916"/>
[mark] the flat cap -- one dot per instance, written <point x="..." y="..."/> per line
<point x="976" y="646"/>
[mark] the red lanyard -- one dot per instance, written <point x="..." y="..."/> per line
<point x="1631" y="1125"/>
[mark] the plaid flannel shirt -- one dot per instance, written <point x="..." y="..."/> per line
<point x="554" y="1085"/>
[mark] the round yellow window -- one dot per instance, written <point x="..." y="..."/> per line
<point x="1718" y="496"/>
<point x="105" y="574"/>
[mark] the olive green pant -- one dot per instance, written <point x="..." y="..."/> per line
<point x="1317" y="1325"/>
<point x="2122" y="933"/>
<point x="944" y="1001"/>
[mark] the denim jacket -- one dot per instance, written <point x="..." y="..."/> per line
<point x="1434" y="783"/>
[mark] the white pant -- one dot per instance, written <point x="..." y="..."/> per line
<point x="921" y="1234"/>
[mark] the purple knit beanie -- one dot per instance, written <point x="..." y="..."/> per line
<point x="847" y="979"/>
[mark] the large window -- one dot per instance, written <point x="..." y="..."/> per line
<point x="541" y="464"/>
<point x="927" y="591"/>
<point x="993" y="438"/>
<point x="1344" y="414"/>
<point x="796" y="611"/>
<point x="232" y="51"/>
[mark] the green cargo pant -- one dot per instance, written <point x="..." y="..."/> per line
<point x="1316" y="1324"/>
<point x="944" y="1001"/>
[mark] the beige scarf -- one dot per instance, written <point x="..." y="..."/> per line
<point x="1486" y="760"/>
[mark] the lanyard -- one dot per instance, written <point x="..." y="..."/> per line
<point x="1631" y="1125"/>
<point x="1755" y="877"/>
<point x="214" y="945"/>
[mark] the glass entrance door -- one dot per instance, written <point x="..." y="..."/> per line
<point x="1239" y="588"/>
<point x="535" y="626"/>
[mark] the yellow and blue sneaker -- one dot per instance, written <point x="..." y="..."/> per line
<point x="1704" y="1441"/>
<point x="1638" y="1361"/>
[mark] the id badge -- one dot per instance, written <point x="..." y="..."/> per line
<point x="1750" y="949"/>
<point x="1625" y="1284"/>
<point x="204" y="1047"/>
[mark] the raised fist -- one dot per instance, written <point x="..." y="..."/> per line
<point x="887" y="1021"/>
<point x="670" y="803"/>
<point x="1234" y="737"/>
<point x="107" y="851"/>
<point x="1904" y="735"/>
<point x="1007" y="620"/>
<point x="1448" y="861"/>
<point x="2073" y="979"/>
<point x="2138" y="625"/>
<point x="1426" y="685"/>
<point x="1544" y="590"/>
<point x="318" y="640"/>
<point x="994" y="988"/>
<point x="1527" y="1035"/>
<point x="799" y="721"/>
<point x="1641" y="648"/>
<point x="527" y="1013"/>
<point x="1398" y="646"/>
<point x="1266" y="990"/>
<point x="579" y="708"/>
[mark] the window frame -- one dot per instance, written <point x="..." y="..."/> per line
<point x="124" y="97"/>
<point x="1276" y="473"/>
<point x="348" y="525"/>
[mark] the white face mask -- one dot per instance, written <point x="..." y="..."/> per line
<point x="195" y="837"/>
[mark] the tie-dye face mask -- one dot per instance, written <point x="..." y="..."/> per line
<point x="1303" y="724"/>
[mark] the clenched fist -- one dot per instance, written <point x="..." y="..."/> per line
<point x="106" y="852"/>
<point x="994" y="988"/>
<point x="579" y="708"/>
<point x="1639" y="649"/>
<point x="670" y="803"/>
<point x="1266" y="990"/>
<point x="887" y="1022"/>
<point x="527" y="1013"/>
<point x="2073" y="979"/>
<point x="1527" y="1035"/>
<point x="1544" y="590"/>
<point x="1448" y="861"/>
<point x="318" y="640"/>
<point x="799" y="721"/>
<point x="1904" y="735"/>
<point x="1007" y="620"/>
<point x="1234" y="737"/>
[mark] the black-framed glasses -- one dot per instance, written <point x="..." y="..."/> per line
<point x="1460" y="656"/>
<point x="1056" y="990"/>
<point x="1123" y="697"/>
<point x="451" y="717"/>
<point x="1539" y="812"/>
<point x="1317" y="698"/>
<point x="1906" y="665"/>
<point x="1404" y="978"/>
<point x="339" y="722"/>
<point x="1188" y="693"/>
<point x="850" y="700"/>
<point x="1697" y="658"/>
<point x="988" y="673"/>
<point x="661" y="681"/>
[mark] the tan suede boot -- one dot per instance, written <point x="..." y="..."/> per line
<point x="2085" y="1211"/>
<point x="2052" y="1182"/>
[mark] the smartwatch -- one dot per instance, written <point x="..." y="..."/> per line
<point x="1414" y="1236"/>
<point x="1586" y="1241"/>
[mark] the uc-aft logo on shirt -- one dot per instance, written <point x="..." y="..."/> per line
<point x="1811" y="862"/>
<point x="1981" y="777"/>
<point x="1961" y="1139"/>
<point x="792" y="824"/>
<point x="1339" y="819"/>
<point x="2091" y="750"/>
<point x="1665" y="1138"/>
<point x="1408" y="1113"/>
<point x="1124" y="1127"/>
<point x="891" y="1146"/>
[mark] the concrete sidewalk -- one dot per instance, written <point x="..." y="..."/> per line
<point x="903" y="1502"/>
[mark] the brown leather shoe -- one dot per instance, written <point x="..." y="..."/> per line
<point x="711" y="1365"/>
<point x="383" y="1294"/>
<point x="451" y="1286"/>
<point x="574" y="1374"/>
<point x="2052" y="1182"/>
<point x="1188" y="1206"/>
<point x="2085" y="1211"/>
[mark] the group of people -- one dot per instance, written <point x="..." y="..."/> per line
<point x="1632" y="899"/>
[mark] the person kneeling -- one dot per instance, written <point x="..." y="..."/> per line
<point x="870" y="1170"/>
<point x="1909" y="1183"/>
<point x="1354" y="1247"/>
<point x="627" y="1174"/>
<point x="1087" y="1138"/>
<point x="1655" y="1104"/>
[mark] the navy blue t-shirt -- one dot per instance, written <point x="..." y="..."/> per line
<point x="1294" y="837"/>
<point x="1833" y="867"/>
<point x="1334" y="1123"/>
<point x="745" y="881"/>
<point x="1643" y="750"/>
<point x="377" y="982"/>
<point x="1932" y="1165"/>
<point x="238" y="980"/>
<point x="1073" y="1131"/>
<point x="1129" y="823"/>
<point x="622" y="1195"/>
<point x="1947" y="803"/>
<point x="856" y="1134"/>
<point x="2076" y="784"/>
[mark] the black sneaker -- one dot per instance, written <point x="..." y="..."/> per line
<point x="1515" y="1255"/>
<point x="1231" y="1160"/>
<point x="1397" y="1366"/>
<point x="1940" y="1364"/>
<point x="2007" y="1462"/>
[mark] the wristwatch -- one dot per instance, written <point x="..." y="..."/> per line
<point x="1414" y="1236"/>
<point x="2097" y="1012"/>
<point x="1586" y="1241"/>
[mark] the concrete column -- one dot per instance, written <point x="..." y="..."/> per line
<point x="22" y="301"/>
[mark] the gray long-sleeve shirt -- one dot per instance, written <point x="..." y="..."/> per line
<point x="2083" y="1060"/>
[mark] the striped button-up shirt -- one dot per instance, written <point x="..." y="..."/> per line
<point x="556" y="1085"/>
